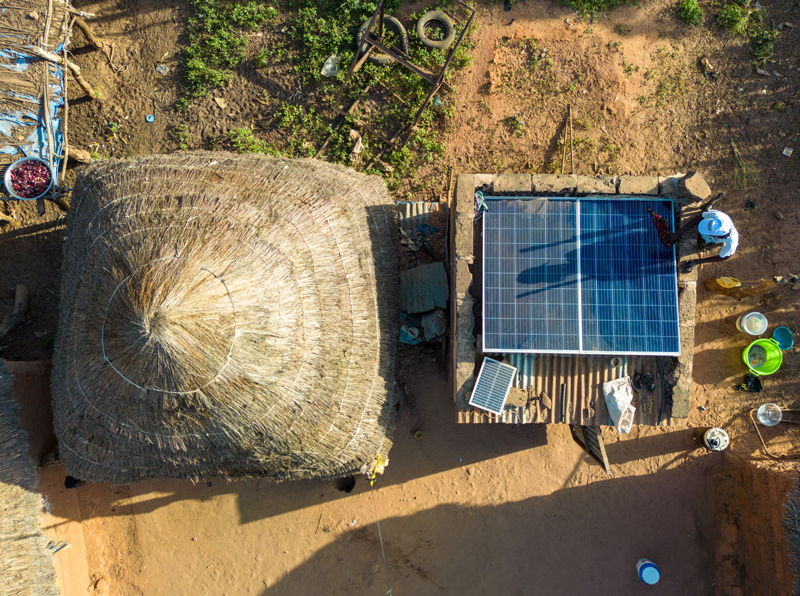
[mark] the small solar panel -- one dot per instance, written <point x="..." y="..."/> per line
<point x="581" y="276"/>
<point x="491" y="388"/>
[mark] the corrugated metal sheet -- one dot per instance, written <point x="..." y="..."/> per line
<point x="423" y="288"/>
<point x="583" y="377"/>
<point x="413" y="214"/>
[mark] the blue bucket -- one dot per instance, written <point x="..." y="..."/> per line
<point x="784" y="338"/>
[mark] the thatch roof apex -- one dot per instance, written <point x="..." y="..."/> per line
<point x="225" y="314"/>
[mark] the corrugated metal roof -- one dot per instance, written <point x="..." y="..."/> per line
<point x="423" y="288"/>
<point x="413" y="214"/>
<point x="583" y="377"/>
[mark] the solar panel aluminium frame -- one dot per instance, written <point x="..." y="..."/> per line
<point x="497" y="365"/>
<point x="580" y="350"/>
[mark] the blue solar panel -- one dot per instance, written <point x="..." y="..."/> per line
<point x="578" y="276"/>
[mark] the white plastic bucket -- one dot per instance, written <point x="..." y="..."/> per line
<point x="648" y="571"/>
<point x="753" y="323"/>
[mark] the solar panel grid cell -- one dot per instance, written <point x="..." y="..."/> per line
<point x="578" y="275"/>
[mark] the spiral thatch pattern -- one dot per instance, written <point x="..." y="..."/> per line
<point x="26" y="566"/>
<point x="225" y="315"/>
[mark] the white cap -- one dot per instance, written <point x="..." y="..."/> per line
<point x="715" y="223"/>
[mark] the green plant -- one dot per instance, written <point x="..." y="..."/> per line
<point x="516" y="125"/>
<point x="114" y="127"/>
<point x="740" y="19"/>
<point x="590" y="9"/>
<point x="243" y="141"/>
<point x="689" y="12"/>
<point x="614" y="46"/>
<point x="629" y="69"/>
<point x="622" y="29"/>
<point x="182" y="136"/>
<point x="216" y="43"/>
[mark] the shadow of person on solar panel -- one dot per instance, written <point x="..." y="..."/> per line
<point x="604" y="254"/>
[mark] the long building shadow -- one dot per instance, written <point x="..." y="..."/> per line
<point x="410" y="459"/>
<point x="581" y="540"/>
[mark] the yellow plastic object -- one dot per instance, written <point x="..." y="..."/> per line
<point x="729" y="282"/>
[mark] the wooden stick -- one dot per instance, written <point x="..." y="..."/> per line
<point x="76" y="70"/>
<point x="564" y="155"/>
<point x="88" y="34"/>
<point x="571" y="142"/>
<point x="64" y="122"/>
<point x="80" y="13"/>
<point x="6" y="218"/>
<point x="46" y="34"/>
<point x="17" y="315"/>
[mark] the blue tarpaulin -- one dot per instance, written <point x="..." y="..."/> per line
<point x="24" y="78"/>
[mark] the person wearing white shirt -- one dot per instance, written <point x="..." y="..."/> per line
<point x="714" y="227"/>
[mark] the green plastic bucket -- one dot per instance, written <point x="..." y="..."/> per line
<point x="763" y="357"/>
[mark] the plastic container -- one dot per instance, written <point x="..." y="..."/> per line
<point x="769" y="414"/>
<point x="784" y="337"/>
<point x="648" y="571"/>
<point x="713" y="439"/>
<point x="9" y="186"/>
<point x="753" y="323"/>
<point x="763" y="357"/>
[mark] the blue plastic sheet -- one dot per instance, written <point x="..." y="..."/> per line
<point x="26" y="118"/>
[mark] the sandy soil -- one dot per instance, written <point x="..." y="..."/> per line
<point x="496" y="510"/>
<point x="465" y="509"/>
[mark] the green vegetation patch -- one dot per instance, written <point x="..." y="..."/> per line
<point x="750" y="22"/>
<point x="689" y="12"/>
<point x="216" y="42"/>
<point x="590" y="9"/>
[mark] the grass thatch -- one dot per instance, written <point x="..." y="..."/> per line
<point x="791" y="523"/>
<point x="26" y="567"/>
<point x="225" y="315"/>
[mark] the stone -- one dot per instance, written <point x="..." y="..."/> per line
<point x="681" y="393"/>
<point x="465" y="194"/>
<point x="667" y="186"/>
<point x="483" y="181"/>
<point x="638" y="185"/>
<point x="512" y="183"/>
<point x="102" y="585"/>
<point x="597" y="185"/>
<point x="463" y="278"/>
<point x="779" y="216"/>
<point x="687" y="301"/>
<point x="687" y="346"/>
<point x="693" y="186"/>
<point x="556" y="184"/>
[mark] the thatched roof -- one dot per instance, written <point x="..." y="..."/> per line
<point x="26" y="567"/>
<point x="225" y="315"/>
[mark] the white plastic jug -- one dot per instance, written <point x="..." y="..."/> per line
<point x="753" y="323"/>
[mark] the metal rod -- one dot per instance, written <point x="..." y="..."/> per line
<point x="563" y="402"/>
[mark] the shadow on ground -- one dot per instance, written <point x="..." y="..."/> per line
<point x="579" y="540"/>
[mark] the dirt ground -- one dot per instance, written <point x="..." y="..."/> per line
<point x="484" y="509"/>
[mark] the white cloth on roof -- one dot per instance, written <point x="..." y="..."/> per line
<point x="718" y="228"/>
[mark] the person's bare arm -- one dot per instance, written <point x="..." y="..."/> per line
<point x="687" y="266"/>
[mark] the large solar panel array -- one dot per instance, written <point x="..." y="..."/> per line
<point x="578" y="276"/>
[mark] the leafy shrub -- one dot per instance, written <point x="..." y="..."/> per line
<point x="690" y="12"/>
<point x="740" y="20"/>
